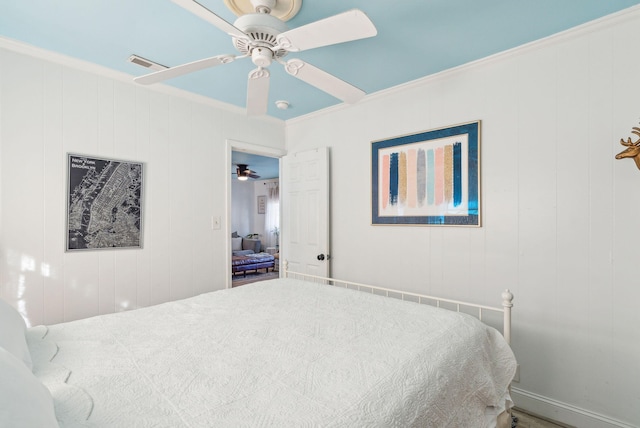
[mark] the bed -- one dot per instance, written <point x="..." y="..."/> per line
<point x="290" y="352"/>
<point x="253" y="261"/>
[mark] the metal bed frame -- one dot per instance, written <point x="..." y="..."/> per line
<point x="460" y="306"/>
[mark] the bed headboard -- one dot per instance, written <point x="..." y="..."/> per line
<point x="458" y="306"/>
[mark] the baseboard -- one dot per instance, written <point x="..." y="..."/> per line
<point x="563" y="412"/>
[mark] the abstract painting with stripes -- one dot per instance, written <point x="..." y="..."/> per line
<point x="428" y="178"/>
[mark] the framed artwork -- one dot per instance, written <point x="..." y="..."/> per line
<point x="262" y="204"/>
<point x="428" y="178"/>
<point x="104" y="203"/>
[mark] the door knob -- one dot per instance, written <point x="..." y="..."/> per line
<point x="320" y="257"/>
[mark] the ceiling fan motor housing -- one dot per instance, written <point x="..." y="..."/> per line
<point x="262" y="29"/>
<point x="262" y="35"/>
<point x="243" y="171"/>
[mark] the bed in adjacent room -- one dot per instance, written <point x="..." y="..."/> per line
<point x="280" y="353"/>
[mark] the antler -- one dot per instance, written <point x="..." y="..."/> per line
<point x="632" y="148"/>
<point x="628" y="143"/>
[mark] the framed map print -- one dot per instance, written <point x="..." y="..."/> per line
<point x="104" y="203"/>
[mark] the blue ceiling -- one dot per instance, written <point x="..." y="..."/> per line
<point x="263" y="166"/>
<point x="415" y="38"/>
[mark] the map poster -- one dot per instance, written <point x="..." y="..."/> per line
<point x="104" y="203"/>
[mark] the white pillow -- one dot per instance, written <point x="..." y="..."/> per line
<point x="25" y="401"/>
<point x="236" y="244"/>
<point x="12" y="333"/>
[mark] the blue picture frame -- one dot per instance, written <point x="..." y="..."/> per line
<point x="430" y="178"/>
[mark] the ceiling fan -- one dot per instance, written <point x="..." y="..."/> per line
<point x="266" y="38"/>
<point x="244" y="173"/>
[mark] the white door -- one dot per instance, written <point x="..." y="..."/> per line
<point x="305" y="212"/>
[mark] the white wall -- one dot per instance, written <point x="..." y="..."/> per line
<point x="559" y="212"/>
<point x="47" y="110"/>
<point x="244" y="209"/>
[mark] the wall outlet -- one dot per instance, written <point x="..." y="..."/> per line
<point x="516" y="377"/>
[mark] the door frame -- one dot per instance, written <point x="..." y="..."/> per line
<point x="255" y="149"/>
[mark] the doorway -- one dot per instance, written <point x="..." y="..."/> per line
<point x="253" y="213"/>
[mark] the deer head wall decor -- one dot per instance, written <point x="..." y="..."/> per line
<point x="633" y="148"/>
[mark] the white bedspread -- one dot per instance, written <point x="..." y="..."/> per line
<point x="279" y="353"/>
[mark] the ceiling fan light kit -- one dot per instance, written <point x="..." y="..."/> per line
<point x="262" y="57"/>
<point x="244" y="173"/>
<point x="260" y="32"/>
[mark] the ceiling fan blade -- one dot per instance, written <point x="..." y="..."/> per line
<point x="324" y="81"/>
<point x="344" y="27"/>
<point x="204" y="13"/>
<point x="243" y="171"/>
<point x="258" y="91"/>
<point x="179" y="70"/>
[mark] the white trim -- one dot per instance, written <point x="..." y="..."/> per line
<point x="89" y="67"/>
<point x="563" y="412"/>
<point x="561" y="37"/>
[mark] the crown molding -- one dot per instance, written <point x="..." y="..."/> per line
<point x="582" y="30"/>
<point x="89" y="67"/>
